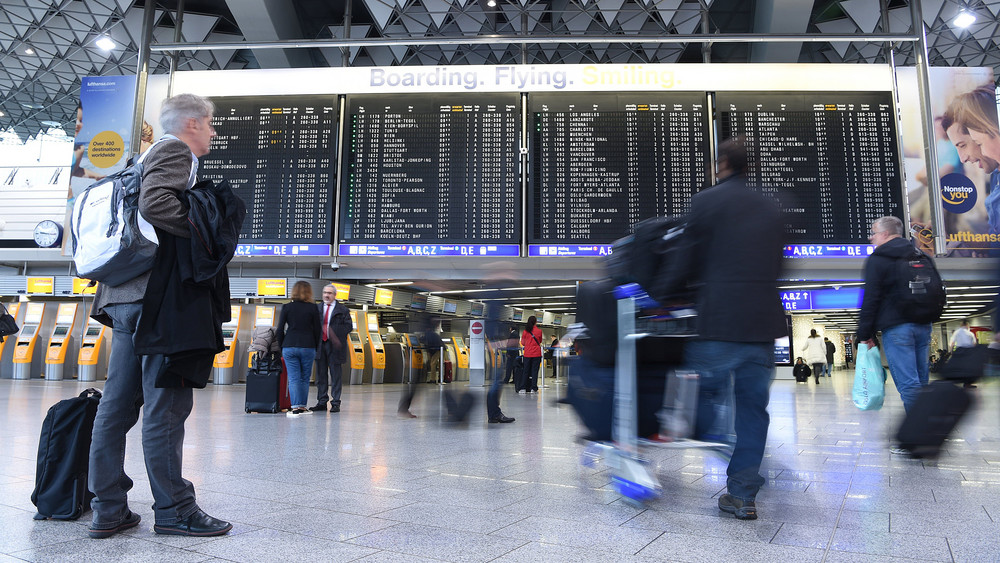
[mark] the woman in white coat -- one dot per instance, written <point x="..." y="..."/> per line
<point x="815" y="353"/>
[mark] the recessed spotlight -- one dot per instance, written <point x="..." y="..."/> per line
<point x="964" y="19"/>
<point x="105" y="43"/>
<point x="492" y="3"/>
<point x="29" y="51"/>
<point x="2" y="114"/>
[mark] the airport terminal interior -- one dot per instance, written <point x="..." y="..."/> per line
<point x="459" y="167"/>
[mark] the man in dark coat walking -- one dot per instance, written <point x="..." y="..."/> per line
<point x="332" y="350"/>
<point x="737" y="237"/>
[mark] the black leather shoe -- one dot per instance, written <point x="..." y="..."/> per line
<point x="502" y="419"/>
<point x="101" y="533"/>
<point x="335" y="408"/>
<point x="198" y="524"/>
<point x="318" y="408"/>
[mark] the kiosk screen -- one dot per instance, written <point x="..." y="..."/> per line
<point x="228" y="333"/>
<point x="830" y="158"/>
<point x="355" y="339"/>
<point x="600" y="163"/>
<point x="418" y="301"/>
<point x="451" y="175"/>
<point x="27" y="332"/>
<point x="93" y="331"/>
<point x="277" y="152"/>
<point x="60" y="331"/>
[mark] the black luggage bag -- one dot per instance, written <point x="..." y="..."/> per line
<point x="591" y="392"/>
<point x="63" y="462"/>
<point x="517" y="373"/>
<point x="264" y="387"/>
<point x="938" y="409"/>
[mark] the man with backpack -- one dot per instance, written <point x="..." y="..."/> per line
<point x="169" y="170"/>
<point x="903" y="296"/>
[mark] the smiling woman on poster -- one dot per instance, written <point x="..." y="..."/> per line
<point x="976" y="112"/>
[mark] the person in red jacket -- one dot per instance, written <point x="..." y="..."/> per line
<point x="531" y="340"/>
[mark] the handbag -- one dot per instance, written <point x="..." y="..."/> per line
<point x="869" y="379"/>
<point x="8" y="325"/>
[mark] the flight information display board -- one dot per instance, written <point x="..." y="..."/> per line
<point x="431" y="175"/>
<point x="278" y="153"/>
<point x="831" y="158"/>
<point x="602" y="162"/>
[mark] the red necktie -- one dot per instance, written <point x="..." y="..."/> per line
<point x="326" y="322"/>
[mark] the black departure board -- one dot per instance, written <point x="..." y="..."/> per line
<point x="431" y="170"/>
<point x="602" y="162"/>
<point x="831" y="158"/>
<point x="278" y="153"/>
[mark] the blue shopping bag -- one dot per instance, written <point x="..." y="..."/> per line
<point x="869" y="379"/>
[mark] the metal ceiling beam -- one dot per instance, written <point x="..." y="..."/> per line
<point x="534" y="40"/>
<point x="783" y="16"/>
<point x="265" y="21"/>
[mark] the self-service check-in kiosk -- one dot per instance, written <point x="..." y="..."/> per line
<point x="93" y="356"/>
<point x="28" y="355"/>
<point x="224" y="366"/>
<point x="376" y="349"/>
<point x="396" y="358"/>
<point x="7" y="346"/>
<point x="263" y="317"/>
<point x="462" y="359"/>
<point x="60" y="350"/>
<point x="356" y="353"/>
<point x="416" y="355"/>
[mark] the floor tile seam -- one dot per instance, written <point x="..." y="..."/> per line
<point x="83" y="536"/>
<point x="508" y="552"/>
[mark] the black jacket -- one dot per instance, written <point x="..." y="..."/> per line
<point x="339" y="325"/>
<point x="737" y="239"/>
<point x="187" y="297"/>
<point x="801" y="371"/>
<point x="830" y="351"/>
<point x="304" y="326"/>
<point x="879" y="309"/>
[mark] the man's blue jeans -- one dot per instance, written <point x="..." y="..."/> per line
<point x="163" y="419"/>
<point x="750" y="368"/>
<point x="298" y="363"/>
<point x="907" y="347"/>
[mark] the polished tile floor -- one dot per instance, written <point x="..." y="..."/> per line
<point x="364" y="485"/>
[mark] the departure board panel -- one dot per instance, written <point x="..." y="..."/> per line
<point x="602" y="162"/>
<point x="278" y="153"/>
<point x="431" y="175"/>
<point x="831" y="158"/>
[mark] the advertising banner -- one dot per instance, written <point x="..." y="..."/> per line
<point x="959" y="98"/>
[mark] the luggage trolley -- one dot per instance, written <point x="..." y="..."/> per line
<point x="633" y="476"/>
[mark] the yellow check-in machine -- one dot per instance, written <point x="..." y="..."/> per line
<point x="376" y="350"/>
<point x="61" y="350"/>
<point x="224" y="367"/>
<point x="415" y="352"/>
<point x="356" y="350"/>
<point x="263" y="316"/>
<point x="93" y="356"/>
<point x="462" y="359"/>
<point x="28" y="355"/>
<point x="8" y="344"/>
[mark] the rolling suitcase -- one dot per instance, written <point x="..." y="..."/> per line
<point x="63" y="464"/>
<point x="938" y="409"/>
<point x="264" y="385"/>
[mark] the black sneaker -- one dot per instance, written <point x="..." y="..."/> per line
<point x="317" y="408"/>
<point x="130" y="521"/>
<point x="742" y="509"/>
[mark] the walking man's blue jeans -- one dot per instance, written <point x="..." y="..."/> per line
<point x="907" y="347"/>
<point x="749" y="368"/>
<point x="163" y="419"/>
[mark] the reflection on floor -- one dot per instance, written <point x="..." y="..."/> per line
<point x="364" y="485"/>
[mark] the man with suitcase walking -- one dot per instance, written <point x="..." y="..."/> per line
<point x="906" y="338"/>
<point x="170" y="169"/>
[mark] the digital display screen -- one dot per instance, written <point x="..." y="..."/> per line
<point x="516" y="316"/>
<point x="430" y="170"/>
<point x="450" y="307"/>
<point x="418" y="301"/>
<point x="782" y="351"/>
<point x="93" y="331"/>
<point x="228" y="333"/>
<point x="830" y="158"/>
<point x="27" y="332"/>
<point x="477" y="309"/>
<point x="355" y="338"/>
<point x="459" y="341"/>
<point x="279" y="155"/>
<point x="600" y="163"/>
<point x="60" y="331"/>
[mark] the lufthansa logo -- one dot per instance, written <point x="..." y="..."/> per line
<point x="958" y="193"/>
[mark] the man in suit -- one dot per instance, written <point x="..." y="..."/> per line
<point x="737" y="238"/>
<point x="169" y="168"/>
<point x="332" y="350"/>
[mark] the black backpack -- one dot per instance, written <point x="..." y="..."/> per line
<point x="63" y="463"/>
<point x="919" y="288"/>
<point x="657" y="256"/>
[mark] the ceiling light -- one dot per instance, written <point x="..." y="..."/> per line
<point x="493" y="4"/>
<point x="105" y="43"/>
<point x="390" y="283"/>
<point x="50" y="123"/>
<point x="2" y="114"/>
<point x="29" y="51"/>
<point x="964" y="19"/>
